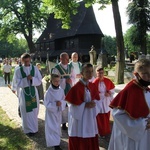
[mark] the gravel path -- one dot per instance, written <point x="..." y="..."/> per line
<point x="9" y="103"/>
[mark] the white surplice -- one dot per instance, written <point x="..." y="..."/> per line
<point x="14" y="82"/>
<point x="53" y="116"/>
<point x="29" y="119"/>
<point x="129" y="134"/>
<point x="63" y="86"/>
<point x="76" y="69"/>
<point x="82" y="120"/>
<point x="104" y="101"/>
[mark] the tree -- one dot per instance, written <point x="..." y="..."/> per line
<point x="131" y="39"/>
<point x="139" y="15"/>
<point x="20" y="46"/>
<point x="13" y="47"/>
<point x="110" y="44"/>
<point x="63" y="10"/>
<point x="22" y="16"/>
<point x="148" y="44"/>
<point x="120" y="43"/>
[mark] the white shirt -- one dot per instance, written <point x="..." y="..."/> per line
<point x="77" y="70"/>
<point x="105" y="100"/>
<point x="7" y="68"/>
<point x="76" y="67"/>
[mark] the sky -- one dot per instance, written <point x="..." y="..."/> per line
<point x="106" y="21"/>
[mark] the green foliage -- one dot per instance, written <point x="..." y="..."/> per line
<point x="139" y="15"/>
<point x="13" y="47"/>
<point x="110" y="45"/>
<point x="47" y="78"/>
<point x="102" y="3"/>
<point x="22" y="16"/>
<point x="148" y="44"/>
<point x="132" y="40"/>
<point x="63" y="9"/>
<point x="20" y="47"/>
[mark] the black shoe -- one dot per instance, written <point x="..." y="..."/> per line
<point x="30" y="134"/>
<point x="57" y="148"/>
<point x="64" y="127"/>
<point x="19" y="112"/>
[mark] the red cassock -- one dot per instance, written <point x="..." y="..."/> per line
<point x="77" y="143"/>
<point x="103" y="118"/>
<point x="132" y="96"/>
<point x="76" y="96"/>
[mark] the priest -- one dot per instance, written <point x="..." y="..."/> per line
<point x="28" y="77"/>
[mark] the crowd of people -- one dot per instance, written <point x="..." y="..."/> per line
<point x="75" y="103"/>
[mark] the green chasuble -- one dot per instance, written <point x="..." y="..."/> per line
<point x="65" y="73"/>
<point x="29" y="92"/>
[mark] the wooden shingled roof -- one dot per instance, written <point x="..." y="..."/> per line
<point x="84" y="22"/>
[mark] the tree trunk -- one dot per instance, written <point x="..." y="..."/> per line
<point x="143" y="27"/>
<point x="30" y="43"/>
<point x="29" y="35"/>
<point x="120" y="44"/>
<point x="144" y="44"/>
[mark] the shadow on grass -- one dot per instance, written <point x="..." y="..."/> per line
<point x="13" y="139"/>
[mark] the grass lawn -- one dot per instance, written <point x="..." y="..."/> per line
<point x="11" y="136"/>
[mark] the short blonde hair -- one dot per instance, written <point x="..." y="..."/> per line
<point x="141" y="64"/>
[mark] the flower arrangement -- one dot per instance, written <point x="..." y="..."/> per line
<point x="47" y="78"/>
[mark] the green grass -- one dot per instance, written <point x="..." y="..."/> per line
<point x="11" y="137"/>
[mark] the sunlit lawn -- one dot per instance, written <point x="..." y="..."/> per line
<point x="11" y="136"/>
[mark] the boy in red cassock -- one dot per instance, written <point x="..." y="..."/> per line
<point x="106" y="90"/>
<point x="82" y="99"/>
<point x="131" y="112"/>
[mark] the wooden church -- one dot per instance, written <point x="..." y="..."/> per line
<point x="84" y="33"/>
